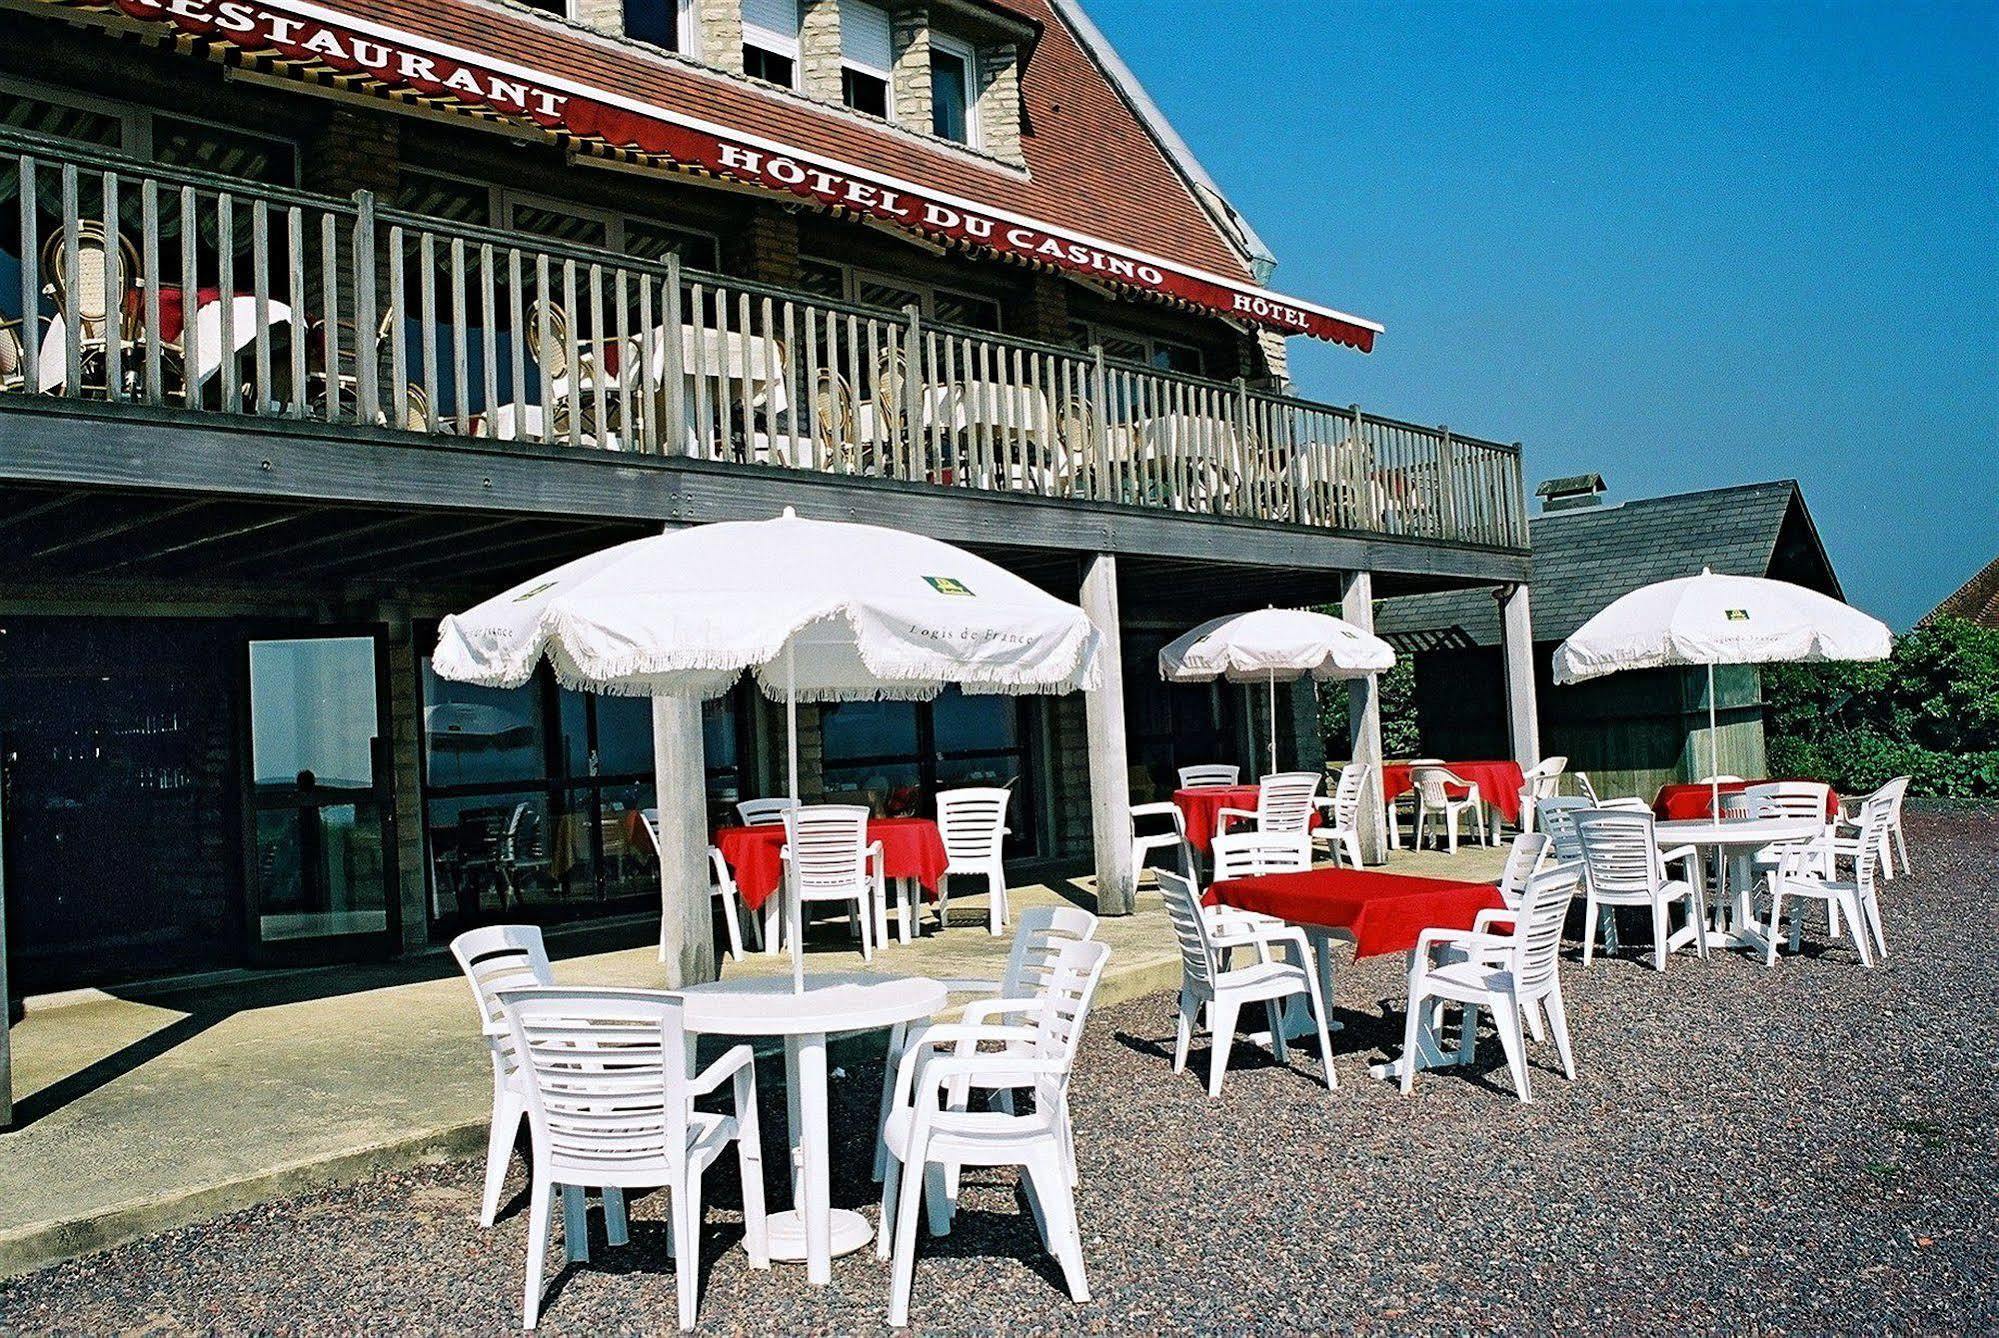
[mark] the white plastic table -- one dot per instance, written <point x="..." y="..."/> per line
<point x="1734" y="843"/>
<point x="832" y="1002"/>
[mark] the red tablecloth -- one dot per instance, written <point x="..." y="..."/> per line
<point x="911" y="848"/>
<point x="1199" y="806"/>
<point x="174" y="311"/>
<point x="1498" y="783"/>
<point x="1677" y="802"/>
<point x="1385" y="912"/>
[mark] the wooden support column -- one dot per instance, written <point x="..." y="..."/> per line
<point x="1516" y="639"/>
<point x="1364" y="723"/>
<point x="686" y="924"/>
<point x="1110" y="776"/>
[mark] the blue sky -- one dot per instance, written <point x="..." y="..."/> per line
<point x="1683" y="245"/>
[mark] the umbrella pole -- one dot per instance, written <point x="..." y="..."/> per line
<point x="791" y="768"/>
<point x="1273" y="721"/>
<point x="1713" y="750"/>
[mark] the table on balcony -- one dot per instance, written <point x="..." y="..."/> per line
<point x="202" y="360"/>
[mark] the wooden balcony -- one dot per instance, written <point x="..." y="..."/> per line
<point x="188" y="296"/>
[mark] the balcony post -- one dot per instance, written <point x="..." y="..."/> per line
<point x="6" y="997"/>
<point x="365" y="319"/>
<point x="1110" y="778"/>
<point x="912" y="393"/>
<point x="1364" y="723"/>
<point x="686" y="926"/>
<point x="1516" y="635"/>
<point x="1100" y="468"/>
<point x="1447" y="486"/>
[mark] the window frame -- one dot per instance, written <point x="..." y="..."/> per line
<point x="785" y="48"/>
<point x="965" y="52"/>
<point x="853" y="276"/>
<point x="885" y="74"/>
<point x="502" y="201"/>
<point x="685" y="38"/>
<point x="135" y="119"/>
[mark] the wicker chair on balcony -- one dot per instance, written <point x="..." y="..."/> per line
<point x="99" y="318"/>
<point x="13" y="356"/>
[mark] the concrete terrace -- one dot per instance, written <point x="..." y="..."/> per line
<point x="147" y="1108"/>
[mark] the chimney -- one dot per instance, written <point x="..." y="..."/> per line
<point x="1571" y="493"/>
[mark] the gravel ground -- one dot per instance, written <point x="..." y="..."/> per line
<point x="1806" y="1149"/>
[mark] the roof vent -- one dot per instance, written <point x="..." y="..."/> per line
<point x="1571" y="493"/>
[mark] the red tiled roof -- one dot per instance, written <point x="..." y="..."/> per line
<point x="1091" y="165"/>
<point x="1977" y="600"/>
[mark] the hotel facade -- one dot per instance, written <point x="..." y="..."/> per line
<point x="319" y="321"/>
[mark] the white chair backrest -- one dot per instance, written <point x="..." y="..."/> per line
<point x="1039" y="934"/>
<point x="501" y="957"/>
<point x="607" y="1074"/>
<point x="1722" y="779"/>
<point x="1793" y="799"/>
<point x="1619" y="848"/>
<point x="1435" y="784"/>
<point x="1742" y="804"/>
<point x="1284" y="801"/>
<point x="1557" y="818"/>
<point x="1073" y="974"/>
<point x="828" y="845"/>
<point x="1244" y="854"/>
<point x="1896" y="790"/>
<point x="1547" y="766"/>
<point x="1529" y="851"/>
<point x="1544" y="905"/>
<point x="1209" y="774"/>
<point x="1877" y="811"/>
<point x="523" y="838"/>
<point x="763" y="812"/>
<point x="1347" y="793"/>
<point x="1584" y="788"/>
<point x="972" y="822"/>
<point x="1183" y="907"/>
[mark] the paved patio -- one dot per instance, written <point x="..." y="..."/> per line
<point x="140" y="1110"/>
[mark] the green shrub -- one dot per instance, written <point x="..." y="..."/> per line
<point x="1931" y="713"/>
<point x="1399" y="737"/>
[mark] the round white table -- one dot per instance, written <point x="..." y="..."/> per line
<point x="832" y="1002"/>
<point x="1734" y="844"/>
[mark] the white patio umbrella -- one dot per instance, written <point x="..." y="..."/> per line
<point x="1271" y="646"/>
<point x="817" y="610"/>
<point x="1711" y="620"/>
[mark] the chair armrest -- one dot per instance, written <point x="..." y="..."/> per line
<point x="1678" y="853"/>
<point x="1487" y="918"/>
<point x="921" y="1040"/>
<point x="980" y="1012"/>
<point x="735" y="1057"/>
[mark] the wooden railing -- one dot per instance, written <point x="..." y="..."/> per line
<point x="170" y="287"/>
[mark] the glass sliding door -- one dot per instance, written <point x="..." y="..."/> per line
<point x="321" y="868"/>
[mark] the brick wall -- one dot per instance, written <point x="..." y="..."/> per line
<point x="1039" y="309"/>
<point x="405" y="743"/>
<point x="910" y="20"/>
<point x="606" y="16"/>
<point x="766" y="249"/>
<point x="819" y="49"/>
<point x="352" y="151"/>
<point x="720" y="26"/>
<point x="1069" y="778"/>
<point x="999" y="101"/>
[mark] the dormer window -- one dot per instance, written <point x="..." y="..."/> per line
<point x="867" y="55"/>
<point x="953" y="90"/>
<point x="770" y="41"/>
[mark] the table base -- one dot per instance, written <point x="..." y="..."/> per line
<point x="850" y="1232"/>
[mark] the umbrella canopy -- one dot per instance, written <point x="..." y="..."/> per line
<point x="1273" y="645"/>
<point x="1281" y="645"/>
<point x="868" y="613"/>
<point x="1710" y="620"/>
<point x="817" y="610"/>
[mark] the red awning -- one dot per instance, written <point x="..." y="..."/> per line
<point x="300" y="33"/>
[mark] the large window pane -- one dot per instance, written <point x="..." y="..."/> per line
<point x="869" y="729"/>
<point x="965" y="722"/>
<point x="888" y="789"/>
<point x="313" y="714"/>
<point x="950" y="91"/>
<point x="481" y="736"/>
<point x="624" y="736"/>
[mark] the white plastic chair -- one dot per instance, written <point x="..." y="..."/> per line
<point x="1801" y="875"/>
<point x="1557" y="822"/>
<point x="721" y="887"/>
<point x="929" y="1130"/>
<point x="1846" y="828"/>
<point x="973" y="825"/>
<point x="827" y="858"/>
<point x="611" y="1104"/>
<point x="495" y="958"/>
<point x="1246" y="854"/>
<point x="763" y="812"/>
<point x="1144" y="844"/>
<point x="1434" y="800"/>
<point x="1525" y="858"/>
<point x="1541" y="781"/>
<point x="1340" y="833"/>
<point x="1511" y="975"/>
<point x="1209" y="775"/>
<point x="1285" y="802"/>
<point x="1207" y="980"/>
<point x="1625" y="867"/>
<point x="1722" y="778"/>
<point x="1584" y="788"/>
